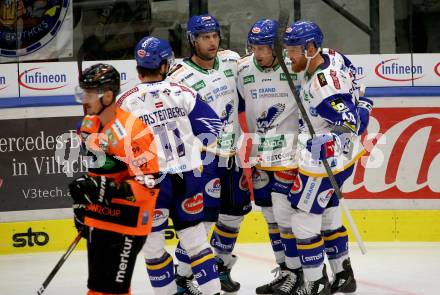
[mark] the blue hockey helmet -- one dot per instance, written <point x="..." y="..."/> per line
<point x="263" y="32"/>
<point x="151" y="51"/>
<point x="204" y="23"/>
<point x="302" y="33"/>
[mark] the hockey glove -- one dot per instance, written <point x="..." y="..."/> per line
<point x="93" y="190"/>
<point x="364" y="106"/>
<point x="79" y="211"/>
<point x="322" y="146"/>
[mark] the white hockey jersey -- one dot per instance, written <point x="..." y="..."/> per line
<point x="217" y="87"/>
<point x="271" y="114"/>
<point x="329" y="97"/>
<point x="176" y="115"/>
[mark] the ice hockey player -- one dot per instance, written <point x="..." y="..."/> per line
<point x="177" y="116"/>
<point x="212" y="73"/>
<point x="339" y="116"/>
<point x="272" y="119"/>
<point x="112" y="210"/>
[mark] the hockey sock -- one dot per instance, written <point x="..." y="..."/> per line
<point x="204" y="268"/>
<point x="223" y="239"/>
<point x="311" y="253"/>
<point x="336" y="247"/>
<point x="161" y="274"/>
<point x="290" y="250"/>
<point x="184" y="267"/>
<point x="275" y="241"/>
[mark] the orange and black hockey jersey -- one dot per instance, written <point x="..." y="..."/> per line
<point x="121" y="149"/>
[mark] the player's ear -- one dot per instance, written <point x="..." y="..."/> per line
<point x="108" y="97"/>
<point x="311" y="49"/>
<point x="164" y="69"/>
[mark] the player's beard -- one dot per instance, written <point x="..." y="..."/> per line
<point x="207" y="55"/>
<point x="299" y="65"/>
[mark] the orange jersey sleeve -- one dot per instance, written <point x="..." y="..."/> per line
<point x="134" y="144"/>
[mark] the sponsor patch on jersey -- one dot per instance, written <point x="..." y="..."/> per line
<point x="160" y="216"/>
<point x="213" y="187"/>
<point x="119" y="129"/>
<point x="271" y="143"/>
<point x="324" y="197"/>
<point x="286" y="176"/>
<point x="283" y="77"/>
<point x="248" y="79"/>
<point x="193" y="205"/>
<point x="228" y="73"/>
<point x="260" y="179"/>
<point x="321" y="79"/>
<point x="199" y="85"/>
<point x="125" y="95"/>
<point x="335" y="79"/>
<point x="338" y="105"/>
<point x="297" y="185"/>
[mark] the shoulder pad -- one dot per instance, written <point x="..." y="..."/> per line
<point x="126" y="94"/>
<point x="228" y="55"/>
<point x="174" y="69"/>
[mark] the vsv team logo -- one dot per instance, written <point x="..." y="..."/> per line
<point x="39" y="22"/>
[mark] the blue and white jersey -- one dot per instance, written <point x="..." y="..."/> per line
<point x="178" y="118"/>
<point x="217" y="87"/>
<point x="271" y="114"/>
<point x="329" y="97"/>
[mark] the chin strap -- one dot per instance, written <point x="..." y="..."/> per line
<point x="309" y="58"/>
<point x="103" y="105"/>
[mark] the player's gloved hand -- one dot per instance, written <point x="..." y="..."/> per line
<point x="322" y="146"/>
<point x="79" y="211"/>
<point x="93" y="189"/>
<point x="364" y="106"/>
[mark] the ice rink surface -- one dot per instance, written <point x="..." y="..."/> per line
<point x="387" y="269"/>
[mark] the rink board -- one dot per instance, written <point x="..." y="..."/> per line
<point x="373" y="225"/>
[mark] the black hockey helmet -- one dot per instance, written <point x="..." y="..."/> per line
<point x="101" y="77"/>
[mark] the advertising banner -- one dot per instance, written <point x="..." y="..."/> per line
<point x="31" y="176"/>
<point x="8" y="81"/>
<point x="404" y="156"/>
<point x="35" y="30"/>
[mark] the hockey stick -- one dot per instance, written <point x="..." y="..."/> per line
<point x="59" y="264"/>
<point x="283" y="22"/>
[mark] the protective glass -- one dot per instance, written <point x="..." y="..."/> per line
<point x="87" y="95"/>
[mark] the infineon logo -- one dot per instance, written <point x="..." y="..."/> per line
<point x="391" y="71"/>
<point x="437" y="69"/>
<point x="38" y="80"/>
<point x="3" y="84"/>
<point x="359" y="71"/>
<point x="123" y="76"/>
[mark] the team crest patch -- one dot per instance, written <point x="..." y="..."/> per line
<point x="322" y="80"/>
<point x="41" y="24"/>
